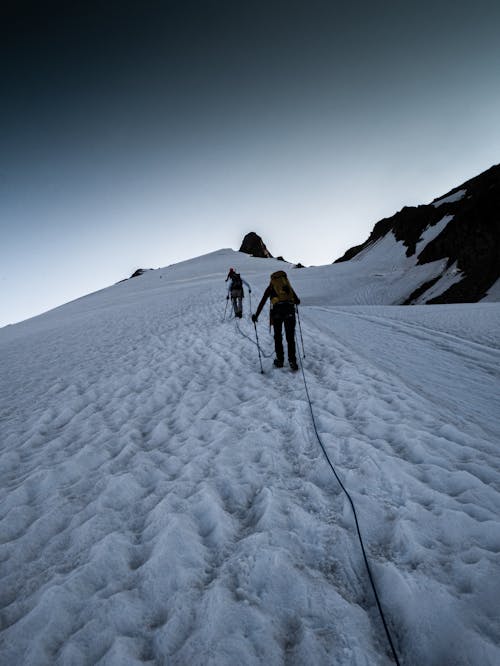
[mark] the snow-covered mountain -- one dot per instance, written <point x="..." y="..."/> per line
<point x="163" y="502"/>
<point x="447" y="251"/>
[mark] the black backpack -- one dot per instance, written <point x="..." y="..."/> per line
<point x="236" y="281"/>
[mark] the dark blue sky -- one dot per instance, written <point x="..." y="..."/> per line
<point x="141" y="133"/>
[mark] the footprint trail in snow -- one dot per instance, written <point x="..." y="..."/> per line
<point x="163" y="502"/>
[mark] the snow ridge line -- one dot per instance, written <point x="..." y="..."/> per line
<point x="358" y="530"/>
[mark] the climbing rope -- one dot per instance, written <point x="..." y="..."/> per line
<point x="358" y="530"/>
<point x="268" y="355"/>
<point x="360" y="538"/>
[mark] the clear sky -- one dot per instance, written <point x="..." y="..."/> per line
<point x="138" y="134"/>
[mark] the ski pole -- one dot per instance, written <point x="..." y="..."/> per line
<point x="224" y="318"/>
<point x="300" y="329"/>
<point x="258" y="347"/>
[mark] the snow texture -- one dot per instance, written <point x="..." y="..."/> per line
<point x="163" y="502"/>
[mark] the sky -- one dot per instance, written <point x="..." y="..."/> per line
<point x="139" y="134"/>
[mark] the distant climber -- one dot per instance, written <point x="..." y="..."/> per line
<point x="235" y="291"/>
<point x="283" y="302"/>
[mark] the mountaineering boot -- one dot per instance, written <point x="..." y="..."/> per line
<point x="278" y="363"/>
<point x="293" y="365"/>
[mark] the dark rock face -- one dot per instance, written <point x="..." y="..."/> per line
<point x="138" y="272"/>
<point x="471" y="238"/>
<point x="254" y="245"/>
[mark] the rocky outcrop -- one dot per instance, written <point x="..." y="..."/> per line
<point x="254" y="245"/>
<point x="139" y="271"/>
<point x="470" y="238"/>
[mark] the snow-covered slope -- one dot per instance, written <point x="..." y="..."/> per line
<point x="381" y="274"/>
<point x="447" y="251"/>
<point x="164" y="502"/>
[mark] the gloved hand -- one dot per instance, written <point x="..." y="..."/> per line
<point x="297" y="301"/>
<point x="227" y="297"/>
<point x="254" y="318"/>
<point x="249" y="291"/>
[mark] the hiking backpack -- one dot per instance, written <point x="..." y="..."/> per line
<point x="281" y="289"/>
<point x="236" y="282"/>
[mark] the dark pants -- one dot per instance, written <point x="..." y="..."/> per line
<point x="283" y="314"/>
<point x="236" y="298"/>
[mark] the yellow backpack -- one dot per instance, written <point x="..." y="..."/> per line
<point x="281" y="289"/>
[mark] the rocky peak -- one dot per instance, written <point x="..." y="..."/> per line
<point x="254" y="245"/>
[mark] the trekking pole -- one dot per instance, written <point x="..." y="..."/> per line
<point x="224" y="317"/>
<point x="300" y="329"/>
<point x="258" y="347"/>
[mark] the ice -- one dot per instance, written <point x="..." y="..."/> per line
<point x="163" y="502"/>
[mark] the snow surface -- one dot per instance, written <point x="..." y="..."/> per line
<point x="449" y="277"/>
<point x="456" y="196"/>
<point x="432" y="232"/>
<point x="380" y="274"/>
<point x="163" y="502"/>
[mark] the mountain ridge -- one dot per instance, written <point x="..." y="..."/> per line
<point x="470" y="239"/>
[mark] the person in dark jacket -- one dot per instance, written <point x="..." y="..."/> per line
<point x="235" y="291"/>
<point x="283" y="302"/>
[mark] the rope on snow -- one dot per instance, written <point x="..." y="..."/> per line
<point x="358" y="530"/>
